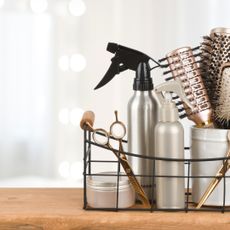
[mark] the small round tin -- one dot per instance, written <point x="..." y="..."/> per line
<point x="102" y="191"/>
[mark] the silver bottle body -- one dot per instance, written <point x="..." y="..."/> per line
<point x="169" y="139"/>
<point x="142" y="118"/>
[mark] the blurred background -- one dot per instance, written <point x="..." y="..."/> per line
<point x="52" y="55"/>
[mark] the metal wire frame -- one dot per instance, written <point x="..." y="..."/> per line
<point x="189" y="206"/>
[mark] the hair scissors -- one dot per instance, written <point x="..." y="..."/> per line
<point x="117" y="131"/>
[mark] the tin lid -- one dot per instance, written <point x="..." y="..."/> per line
<point x="107" y="180"/>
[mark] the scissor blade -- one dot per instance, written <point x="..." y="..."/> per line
<point x="136" y="185"/>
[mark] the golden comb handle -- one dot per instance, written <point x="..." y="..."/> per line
<point x="215" y="181"/>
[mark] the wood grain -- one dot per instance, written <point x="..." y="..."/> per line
<point x="58" y="209"/>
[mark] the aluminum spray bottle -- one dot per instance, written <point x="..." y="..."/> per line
<point x="142" y="109"/>
<point x="169" y="143"/>
<point x="142" y="118"/>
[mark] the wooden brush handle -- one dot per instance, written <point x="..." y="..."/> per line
<point x="87" y="120"/>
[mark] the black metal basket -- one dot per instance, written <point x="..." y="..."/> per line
<point x="189" y="205"/>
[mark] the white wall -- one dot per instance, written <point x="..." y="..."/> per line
<point x="151" y="26"/>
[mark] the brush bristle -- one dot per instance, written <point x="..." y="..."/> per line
<point x="222" y="105"/>
<point x="215" y="51"/>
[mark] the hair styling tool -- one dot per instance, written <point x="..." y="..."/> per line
<point x="215" y="51"/>
<point x="221" y="112"/>
<point x="219" y="175"/>
<point x="183" y="64"/>
<point x="117" y="131"/>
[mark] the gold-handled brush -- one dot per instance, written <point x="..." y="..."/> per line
<point x="184" y="66"/>
<point x="215" y="59"/>
<point x="221" y="112"/>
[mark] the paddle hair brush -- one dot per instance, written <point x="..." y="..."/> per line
<point x="184" y="64"/>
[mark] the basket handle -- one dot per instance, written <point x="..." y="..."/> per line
<point x="87" y="120"/>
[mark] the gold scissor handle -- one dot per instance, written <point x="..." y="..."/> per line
<point x="219" y="175"/>
<point x="121" y="135"/>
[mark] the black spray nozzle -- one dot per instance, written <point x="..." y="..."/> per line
<point x="143" y="80"/>
<point x="125" y="58"/>
<point x="126" y="51"/>
<point x="112" y="47"/>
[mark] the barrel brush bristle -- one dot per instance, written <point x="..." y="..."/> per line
<point x="215" y="59"/>
<point x="222" y="109"/>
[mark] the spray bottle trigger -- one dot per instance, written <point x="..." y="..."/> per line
<point x="173" y="86"/>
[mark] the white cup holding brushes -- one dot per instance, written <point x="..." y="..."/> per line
<point x="209" y="143"/>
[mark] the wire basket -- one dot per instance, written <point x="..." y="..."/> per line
<point x="90" y="162"/>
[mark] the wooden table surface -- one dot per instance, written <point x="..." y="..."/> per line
<point x="33" y="209"/>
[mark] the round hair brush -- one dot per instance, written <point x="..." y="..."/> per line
<point x="220" y="52"/>
<point x="215" y="59"/>
<point x="221" y="113"/>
